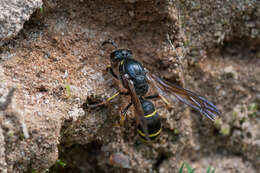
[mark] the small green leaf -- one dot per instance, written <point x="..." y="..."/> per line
<point x="253" y="107"/>
<point x="68" y="91"/>
<point x="61" y="163"/>
<point x="209" y="170"/>
<point x="193" y="171"/>
<point x="225" y="131"/>
<point x="176" y="131"/>
<point x="181" y="169"/>
<point x="41" y="9"/>
<point x="190" y="170"/>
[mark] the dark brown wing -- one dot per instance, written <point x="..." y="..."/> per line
<point x="199" y="103"/>
<point x="137" y="104"/>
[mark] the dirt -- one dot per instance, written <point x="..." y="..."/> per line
<point x="57" y="65"/>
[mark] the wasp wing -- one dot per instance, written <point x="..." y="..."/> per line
<point x="199" y="103"/>
<point x="137" y="104"/>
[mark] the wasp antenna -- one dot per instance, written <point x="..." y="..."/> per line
<point x="109" y="41"/>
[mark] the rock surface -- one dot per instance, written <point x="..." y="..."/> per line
<point x="57" y="65"/>
<point x="13" y="14"/>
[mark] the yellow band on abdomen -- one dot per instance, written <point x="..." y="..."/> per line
<point x="150" y="115"/>
<point x="151" y="135"/>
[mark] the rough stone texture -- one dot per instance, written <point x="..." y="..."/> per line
<point x="25" y="131"/>
<point x="13" y="14"/>
<point x="56" y="65"/>
<point x="211" y="24"/>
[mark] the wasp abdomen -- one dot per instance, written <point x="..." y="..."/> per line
<point x="152" y="119"/>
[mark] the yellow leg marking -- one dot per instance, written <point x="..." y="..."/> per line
<point x="151" y="135"/>
<point x="165" y="100"/>
<point x="122" y="120"/>
<point x="150" y="115"/>
<point x="116" y="125"/>
<point x="112" y="97"/>
<point x="105" y="102"/>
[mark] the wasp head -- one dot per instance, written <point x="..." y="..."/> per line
<point x="120" y="55"/>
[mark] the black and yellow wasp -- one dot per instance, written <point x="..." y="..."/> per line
<point x="136" y="79"/>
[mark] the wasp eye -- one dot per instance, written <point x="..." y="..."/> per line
<point x="127" y="54"/>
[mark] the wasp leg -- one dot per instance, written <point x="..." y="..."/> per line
<point x="108" y="100"/>
<point x="152" y="96"/>
<point x="122" y="117"/>
<point x="109" y="68"/>
<point x="157" y="96"/>
<point x="109" y="41"/>
<point x="165" y="100"/>
<point x="104" y="102"/>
